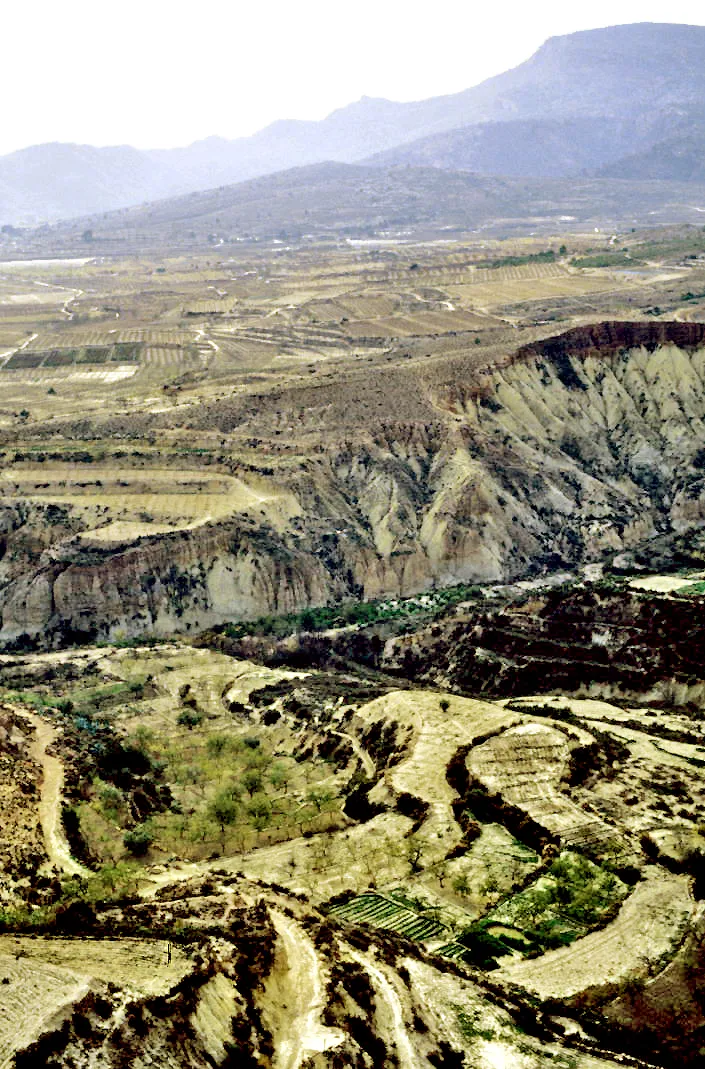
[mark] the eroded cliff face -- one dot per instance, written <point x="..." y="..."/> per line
<point x="162" y="584"/>
<point x="563" y="454"/>
<point x="577" y="446"/>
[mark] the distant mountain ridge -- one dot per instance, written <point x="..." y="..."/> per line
<point x="531" y="148"/>
<point x="681" y="157"/>
<point x="580" y="104"/>
<point x="54" y="181"/>
<point x="343" y="200"/>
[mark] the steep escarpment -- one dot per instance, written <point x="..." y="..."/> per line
<point x="581" y="445"/>
<point x="606" y="339"/>
<point x="165" y="583"/>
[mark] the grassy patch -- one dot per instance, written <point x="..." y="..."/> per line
<point x="548" y="256"/>
<point x="691" y="589"/>
<point x="574" y="896"/>
<point x="470" y="1024"/>
<point x="619" y="258"/>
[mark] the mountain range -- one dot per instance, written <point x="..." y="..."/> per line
<point x="622" y="102"/>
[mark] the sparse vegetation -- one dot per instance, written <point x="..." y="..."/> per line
<point x="322" y="434"/>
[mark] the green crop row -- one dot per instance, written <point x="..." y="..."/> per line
<point x="381" y="913"/>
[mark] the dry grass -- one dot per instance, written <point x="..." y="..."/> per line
<point x="140" y="964"/>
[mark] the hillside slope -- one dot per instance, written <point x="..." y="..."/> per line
<point x="350" y="200"/>
<point x="580" y="445"/>
<point x="55" y="181"/>
<point x="543" y="148"/>
<point x="679" y="157"/>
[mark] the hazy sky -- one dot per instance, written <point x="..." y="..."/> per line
<point x="156" y="73"/>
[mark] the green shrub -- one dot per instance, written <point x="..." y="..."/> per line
<point x="138" y="840"/>
<point x="189" y="718"/>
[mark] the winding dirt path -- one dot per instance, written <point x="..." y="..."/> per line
<point x="298" y="1032"/>
<point x="55" y="841"/>
<point x="388" y="994"/>
<point x="366" y="761"/>
<point x="18" y="348"/>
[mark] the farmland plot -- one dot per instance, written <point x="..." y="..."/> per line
<point x="423" y="323"/>
<point x="52" y="377"/>
<point x="383" y="912"/>
<point x="166" y="357"/>
<point x="149" y="336"/>
<point x="139" y="964"/>
<point x="349" y="306"/>
<point x="497" y="291"/>
<point x="469" y="275"/>
<point x="649" y="927"/>
<point x="131" y="503"/>
<point x="346" y="860"/>
<point x="525" y="765"/>
<point x="33" y="994"/>
<point x="22" y="292"/>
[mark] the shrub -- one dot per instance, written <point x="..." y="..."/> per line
<point x="138" y="840"/>
<point x="189" y="718"/>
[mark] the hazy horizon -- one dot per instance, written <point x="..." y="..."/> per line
<point x="150" y="80"/>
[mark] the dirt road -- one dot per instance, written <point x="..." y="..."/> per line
<point x="389" y="997"/>
<point x="55" y="841"/>
<point x="298" y="1032"/>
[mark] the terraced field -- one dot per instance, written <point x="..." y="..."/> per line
<point x="649" y="927"/>
<point x="33" y="994"/>
<point x="384" y="912"/>
<point x="150" y="966"/>
<point x="18" y="381"/>
<point x="166" y="358"/>
<point x="526" y="765"/>
<point x="425" y="323"/>
<point x="178" y="499"/>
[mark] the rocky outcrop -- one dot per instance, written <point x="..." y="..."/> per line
<point x="163" y="584"/>
<point x="580" y="445"/>
<point x="610" y="338"/>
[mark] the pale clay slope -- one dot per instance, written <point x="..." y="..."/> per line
<point x="472" y="500"/>
<point x="294" y="997"/>
<point x="138" y="964"/>
<point x="527" y="765"/>
<point x="216" y="1007"/>
<point x="436" y="736"/>
<point x="36" y="995"/>
<point x="390" y="1008"/>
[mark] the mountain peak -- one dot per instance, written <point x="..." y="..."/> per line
<point x="621" y="82"/>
